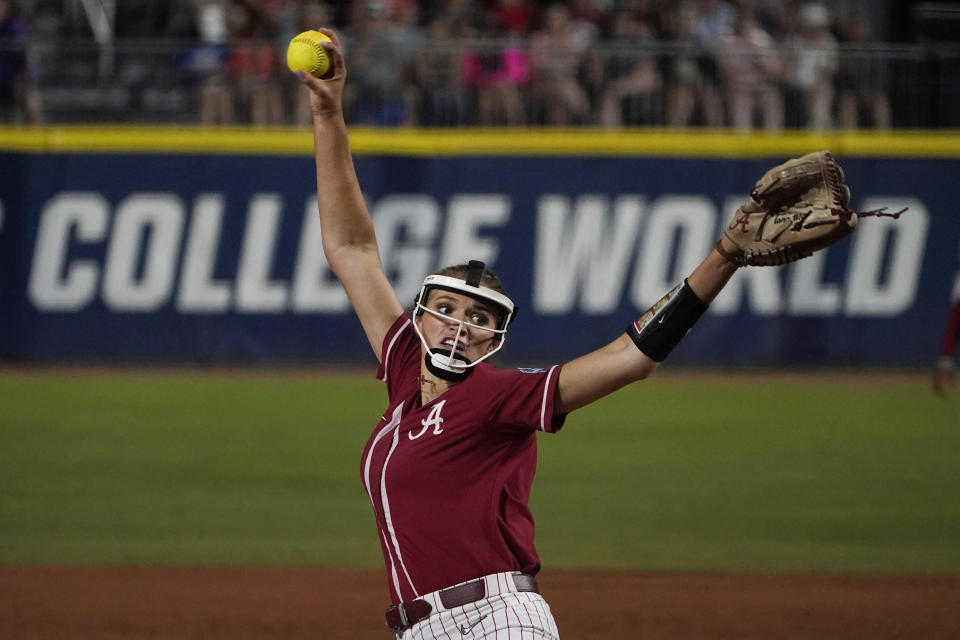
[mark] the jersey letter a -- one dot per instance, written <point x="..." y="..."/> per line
<point x="433" y="419"/>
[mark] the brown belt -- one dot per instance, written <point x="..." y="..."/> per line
<point x="401" y="617"/>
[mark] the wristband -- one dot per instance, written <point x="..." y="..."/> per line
<point x="664" y="324"/>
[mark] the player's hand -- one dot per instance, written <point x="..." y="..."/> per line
<point x="944" y="379"/>
<point x="326" y="96"/>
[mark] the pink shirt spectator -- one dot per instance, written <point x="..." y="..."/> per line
<point x="514" y="69"/>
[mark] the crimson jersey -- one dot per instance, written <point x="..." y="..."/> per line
<point x="950" y="333"/>
<point x="450" y="480"/>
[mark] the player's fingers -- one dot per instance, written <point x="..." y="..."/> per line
<point x="315" y="85"/>
<point x="336" y="58"/>
<point x="331" y="34"/>
<point x="309" y="81"/>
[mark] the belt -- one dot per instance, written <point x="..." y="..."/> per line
<point x="401" y="617"/>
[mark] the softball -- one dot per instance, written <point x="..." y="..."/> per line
<point x="306" y="54"/>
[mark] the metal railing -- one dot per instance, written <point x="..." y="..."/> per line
<point x="485" y="83"/>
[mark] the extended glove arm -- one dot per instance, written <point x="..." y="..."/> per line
<point x="601" y="372"/>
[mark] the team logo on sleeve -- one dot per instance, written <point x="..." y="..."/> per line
<point x="531" y="370"/>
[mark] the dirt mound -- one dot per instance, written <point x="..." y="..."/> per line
<point x="248" y="604"/>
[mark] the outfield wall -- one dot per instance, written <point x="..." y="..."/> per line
<point x="203" y="246"/>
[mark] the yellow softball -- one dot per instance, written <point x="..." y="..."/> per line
<point x="306" y="54"/>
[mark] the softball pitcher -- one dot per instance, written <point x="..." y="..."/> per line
<point x="449" y="467"/>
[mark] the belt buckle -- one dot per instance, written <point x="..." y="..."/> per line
<point x="404" y="620"/>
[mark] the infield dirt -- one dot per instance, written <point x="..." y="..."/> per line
<point x="254" y="604"/>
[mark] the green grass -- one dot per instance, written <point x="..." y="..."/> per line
<point x="678" y="473"/>
<point x="757" y="475"/>
<point x="212" y="469"/>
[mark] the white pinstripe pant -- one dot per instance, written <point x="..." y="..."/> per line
<point x="504" y="614"/>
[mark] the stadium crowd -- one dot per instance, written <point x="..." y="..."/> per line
<point x="679" y="63"/>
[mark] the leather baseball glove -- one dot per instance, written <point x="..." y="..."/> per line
<point x="796" y="208"/>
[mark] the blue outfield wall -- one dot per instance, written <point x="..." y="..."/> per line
<point x="117" y="256"/>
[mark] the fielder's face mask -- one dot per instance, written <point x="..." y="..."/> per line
<point x="444" y="362"/>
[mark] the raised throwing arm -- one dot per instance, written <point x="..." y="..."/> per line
<point x="349" y="241"/>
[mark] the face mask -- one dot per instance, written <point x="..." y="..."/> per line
<point x="447" y="364"/>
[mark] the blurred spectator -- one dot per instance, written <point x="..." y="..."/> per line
<point x="633" y="93"/>
<point x="587" y="20"/>
<point x="787" y="31"/>
<point x="380" y="62"/>
<point x="440" y="74"/>
<point x="514" y="16"/>
<point x="205" y="64"/>
<point x="769" y="13"/>
<point x="750" y="68"/>
<point x="254" y="68"/>
<point x="692" y="92"/>
<point x="282" y="14"/>
<point x="863" y="81"/>
<point x="556" y="57"/>
<point x="284" y="17"/>
<point x="468" y="13"/>
<point x="715" y="20"/>
<point x="498" y="70"/>
<point x="19" y="98"/>
<point x="813" y="53"/>
<point x="572" y="62"/>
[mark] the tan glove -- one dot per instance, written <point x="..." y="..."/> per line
<point x="796" y="208"/>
